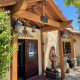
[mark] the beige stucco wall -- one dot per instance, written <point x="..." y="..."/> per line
<point x="77" y="47"/>
<point x="52" y="38"/>
<point x="37" y="36"/>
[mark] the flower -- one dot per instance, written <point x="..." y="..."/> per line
<point x="52" y="70"/>
<point x="55" y="71"/>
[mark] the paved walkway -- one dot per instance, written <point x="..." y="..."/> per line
<point x="42" y="77"/>
<point x="73" y="75"/>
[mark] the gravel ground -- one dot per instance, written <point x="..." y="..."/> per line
<point x="73" y="75"/>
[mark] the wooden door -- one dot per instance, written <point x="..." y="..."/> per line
<point x="31" y="58"/>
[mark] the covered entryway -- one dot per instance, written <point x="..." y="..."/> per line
<point x="27" y="58"/>
<point x="46" y="18"/>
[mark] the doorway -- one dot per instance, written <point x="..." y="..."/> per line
<point x="27" y="59"/>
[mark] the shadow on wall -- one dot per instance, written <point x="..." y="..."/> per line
<point x="52" y="41"/>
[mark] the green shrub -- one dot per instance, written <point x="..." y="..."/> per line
<point x="70" y="63"/>
<point x="6" y="45"/>
<point x="78" y="60"/>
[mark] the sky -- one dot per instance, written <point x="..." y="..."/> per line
<point x="69" y="12"/>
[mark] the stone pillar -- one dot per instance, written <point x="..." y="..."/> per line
<point x="74" y="61"/>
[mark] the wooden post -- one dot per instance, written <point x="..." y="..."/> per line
<point x="72" y="47"/>
<point x="42" y="55"/>
<point x="61" y="55"/>
<point x="14" y="58"/>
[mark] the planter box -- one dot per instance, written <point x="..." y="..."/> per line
<point x="51" y="74"/>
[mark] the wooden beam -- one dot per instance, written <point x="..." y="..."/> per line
<point x="55" y="9"/>
<point x="8" y="3"/>
<point x="43" y="9"/>
<point x="19" y="7"/>
<point x="42" y="48"/>
<point x="47" y="12"/>
<point x="48" y="28"/>
<point x="78" y="37"/>
<point x="38" y="24"/>
<point x="72" y="47"/>
<point x="65" y="24"/>
<point x="36" y="18"/>
<point x="61" y="55"/>
<point x="14" y="58"/>
<point x="66" y="55"/>
<point x="34" y="0"/>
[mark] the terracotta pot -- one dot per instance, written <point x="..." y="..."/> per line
<point x="51" y="74"/>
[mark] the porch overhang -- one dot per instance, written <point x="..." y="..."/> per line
<point x="56" y="21"/>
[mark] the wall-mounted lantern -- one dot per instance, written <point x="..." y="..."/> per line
<point x="74" y="40"/>
<point x="17" y="26"/>
<point x="33" y="28"/>
<point x="63" y="34"/>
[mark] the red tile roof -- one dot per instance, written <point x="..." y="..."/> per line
<point x="72" y="31"/>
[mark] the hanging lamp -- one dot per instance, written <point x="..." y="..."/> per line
<point x="33" y="26"/>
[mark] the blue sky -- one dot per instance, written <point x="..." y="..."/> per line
<point x="69" y="12"/>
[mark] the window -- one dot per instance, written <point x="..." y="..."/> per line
<point x="66" y="48"/>
<point x="31" y="51"/>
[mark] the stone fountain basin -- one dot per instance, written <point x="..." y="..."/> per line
<point x="54" y="58"/>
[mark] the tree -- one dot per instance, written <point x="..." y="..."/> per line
<point x="6" y="45"/>
<point x="75" y="3"/>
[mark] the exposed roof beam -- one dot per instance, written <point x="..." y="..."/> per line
<point x="66" y="24"/>
<point x="48" y="28"/>
<point x="19" y="7"/>
<point x="34" y="0"/>
<point x="8" y="3"/>
<point x="36" y="18"/>
<point x="46" y="11"/>
<point x="55" y="9"/>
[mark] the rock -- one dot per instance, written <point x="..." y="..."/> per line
<point x="66" y="65"/>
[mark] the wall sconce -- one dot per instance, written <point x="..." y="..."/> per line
<point x="17" y="26"/>
<point x="68" y="37"/>
<point x="33" y="28"/>
<point x="63" y="34"/>
<point x="74" y="40"/>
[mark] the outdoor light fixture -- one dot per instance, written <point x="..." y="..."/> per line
<point x="68" y="37"/>
<point x="74" y="40"/>
<point x="17" y="26"/>
<point x="63" y="34"/>
<point x="45" y="3"/>
<point x="33" y="27"/>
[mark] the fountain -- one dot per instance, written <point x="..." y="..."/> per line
<point x="53" y="57"/>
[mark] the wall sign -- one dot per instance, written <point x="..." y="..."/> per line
<point x="25" y="35"/>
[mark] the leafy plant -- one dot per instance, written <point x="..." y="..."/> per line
<point x="75" y="3"/>
<point x="6" y="44"/>
<point x="70" y="63"/>
<point x="78" y="60"/>
<point x="67" y="70"/>
<point x="52" y="70"/>
<point x="55" y="71"/>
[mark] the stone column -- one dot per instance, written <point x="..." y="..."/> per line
<point x="74" y="61"/>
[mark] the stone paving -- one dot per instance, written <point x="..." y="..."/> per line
<point x="73" y="75"/>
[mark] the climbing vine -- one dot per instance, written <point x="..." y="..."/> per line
<point x="6" y="45"/>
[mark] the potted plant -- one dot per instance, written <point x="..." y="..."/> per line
<point x="52" y="73"/>
<point x="67" y="70"/>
